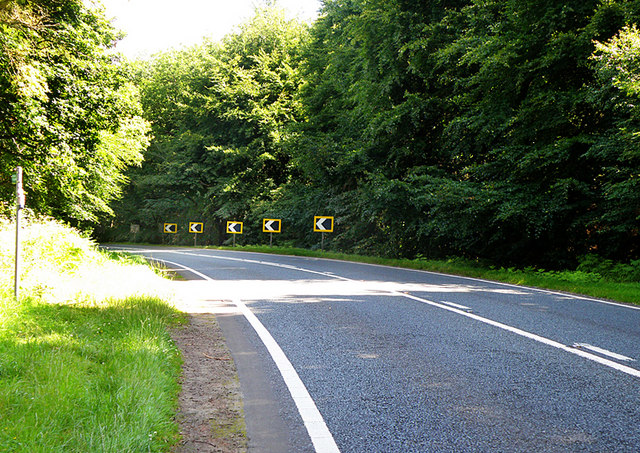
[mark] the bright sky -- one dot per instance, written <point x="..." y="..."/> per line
<point x="156" y="25"/>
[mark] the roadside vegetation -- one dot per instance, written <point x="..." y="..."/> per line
<point x="86" y="361"/>
<point x="502" y="131"/>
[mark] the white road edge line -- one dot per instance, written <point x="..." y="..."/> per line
<point x="317" y="429"/>
<point x="523" y="333"/>
<point x="613" y="355"/>
<point x="193" y="271"/>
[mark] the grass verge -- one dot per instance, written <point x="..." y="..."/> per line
<point x="582" y="282"/>
<point x="86" y="362"/>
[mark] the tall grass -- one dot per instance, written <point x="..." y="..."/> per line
<point x="86" y="363"/>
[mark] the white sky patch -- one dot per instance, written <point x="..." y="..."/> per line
<point x="157" y="25"/>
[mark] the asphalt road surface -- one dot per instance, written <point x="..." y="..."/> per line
<point x="336" y="356"/>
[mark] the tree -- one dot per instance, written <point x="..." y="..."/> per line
<point x="495" y="129"/>
<point x="616" y="224"/>
<point x="469" y="127"/>
<point x="527" y="126"/>
<point x="68" y="111"/>
<point x="219" y="113"/>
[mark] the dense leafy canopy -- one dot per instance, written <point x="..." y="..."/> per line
<point x="480" y="128"/>
<point x="68" y="113"/>
<point x="220" y="114"/>
<point x="498" y="129"/>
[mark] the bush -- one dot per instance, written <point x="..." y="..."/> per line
<point x="609" y="269"/>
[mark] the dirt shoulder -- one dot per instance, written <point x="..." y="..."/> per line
<point x="211" y="413"/>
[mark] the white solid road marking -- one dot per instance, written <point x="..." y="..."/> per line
<point x="458" y="306"/>
<point x="611" y="364"/>
<point x="613" y="355"/>
<point x="193" y="271"/>
<point x="317" y="429"/>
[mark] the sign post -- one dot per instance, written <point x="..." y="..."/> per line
<point x="196" y="228"/>
<point x="20" y="203"/>
<point x="134" y="229"/>
<point x="171" y="228"/>
<point x="271" y="226"/>
<point x="234" y="228"/>
<point x="323" y="224"/>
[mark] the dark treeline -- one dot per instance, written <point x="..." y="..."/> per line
<point x="504" y="130"/>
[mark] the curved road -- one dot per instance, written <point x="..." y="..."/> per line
<point x="396" y="360"/>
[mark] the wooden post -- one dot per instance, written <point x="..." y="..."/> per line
<point x="20" y="202"/>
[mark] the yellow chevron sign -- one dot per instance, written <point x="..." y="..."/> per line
<point x="234" y="227"/>
<point x="170" y="228"/>
<point x="196" y="227"/>
<point x="271" y="225"/>
<point x="323" y="224"/>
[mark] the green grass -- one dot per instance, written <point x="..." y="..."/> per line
<point x="86" y="362"/>
<point x="589" y="283"/>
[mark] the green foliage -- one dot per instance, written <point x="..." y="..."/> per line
<point x="84" y="365"/>
<point x="610" y="270"/>
<point x="79" y="378"/>
<point x="68" y="113"/>
<point x="491" y="129"/>
<point x="474" y="128"/>
<point x="219" y="115"/>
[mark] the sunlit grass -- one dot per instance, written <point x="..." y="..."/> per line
<point x="86" y="363"/>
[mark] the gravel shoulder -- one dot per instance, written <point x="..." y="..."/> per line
<point x="211" y="411"/>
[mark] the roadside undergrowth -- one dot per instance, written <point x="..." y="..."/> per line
<point x="86" y="361"/>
